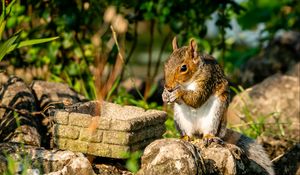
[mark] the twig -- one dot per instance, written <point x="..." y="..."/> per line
<point x="117" y="44"/>
<point x="26" y="112"/>
<point x="117" y="67"/>
<point x="22" y="111"/>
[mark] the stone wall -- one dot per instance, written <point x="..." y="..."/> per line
<point x="106" y="129"/>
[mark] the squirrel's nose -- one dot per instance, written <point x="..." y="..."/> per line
<point x="171" y="89"/>
<point x="168" y="88"/>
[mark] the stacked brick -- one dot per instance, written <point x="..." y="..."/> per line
<point x="107" y="129"/>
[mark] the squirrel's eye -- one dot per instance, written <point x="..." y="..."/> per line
<point x="183" y="68"/>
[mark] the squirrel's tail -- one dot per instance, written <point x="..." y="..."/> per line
<point x="254" y="151"/>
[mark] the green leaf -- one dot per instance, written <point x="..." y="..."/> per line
<point x="4" y="47"/>
<point x="2" y="26"/>
<point x="31" y="42"/>
<point x="113" y="88"/>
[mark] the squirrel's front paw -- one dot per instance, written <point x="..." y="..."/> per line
<point x="170" y="97"/>
<point x="166" y="96"/>
<point x="174" y="95"/>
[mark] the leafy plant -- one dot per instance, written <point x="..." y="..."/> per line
<point x="12" y="43"/>
<point x="17" y="166"/>
<point x="171" y="131"/>
<point x="133" y="161"/>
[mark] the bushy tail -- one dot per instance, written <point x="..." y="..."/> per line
<point x="253" y="150"/>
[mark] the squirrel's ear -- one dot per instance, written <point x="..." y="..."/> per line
<point x="193" y="48"/>
<point x="174" y="43"/>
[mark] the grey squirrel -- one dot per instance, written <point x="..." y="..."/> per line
<point x="197" y="86"/>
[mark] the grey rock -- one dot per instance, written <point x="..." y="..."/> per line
<point x="21" y="125"/>
<point x="57" y="94"/>
<point x="276" y="99"/>
<point x="31" y="159"/>
<point x="171" y="156"/>
<point x="174" y="156"/>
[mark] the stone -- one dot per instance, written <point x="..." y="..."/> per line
<point x="21" y="125"/>
<point x="79" y="119"/>
<point x="77" y="145"/>
<point x="61" y="117"/>
<point x="90" y="135"/>
<point x="55" y="94"/>
<point x="170" y="156"/>
<point x="32" y="159"/>
<point x="174" y="156"/>
<point x="26" y="135"/>
<point x="61" y="143"/>
<point x="101" y="149"/>
<point x="117" y="137"/>
<point x="129" y="138"/>
<point x="111" y="168"/>
<point x="118" y="129"/>
<point x="66" y="131"/>
<point x="102" y="122"/>
<point x="275" y="100"/>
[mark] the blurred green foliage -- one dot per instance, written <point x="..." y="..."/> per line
<point x="133" y="161"/>
<point x="276" y="15"/>
<point x="78" y="23"/>
<point x="13" y="41"/>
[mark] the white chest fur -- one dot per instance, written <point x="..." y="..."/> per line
<point x="200" y="120"/>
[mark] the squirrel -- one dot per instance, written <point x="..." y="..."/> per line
<point x="198" y="87"/>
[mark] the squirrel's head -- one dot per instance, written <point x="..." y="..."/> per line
<point x="181" y="65"/>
